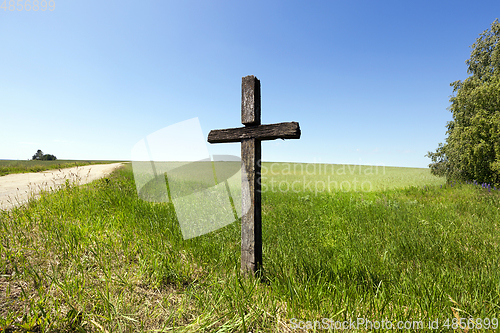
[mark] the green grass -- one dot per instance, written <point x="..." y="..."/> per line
<point x="318" y="178"/>
<point x="18" y="166"/>
<point x="96" y="258"/>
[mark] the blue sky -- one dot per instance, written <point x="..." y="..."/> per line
<point x="368" y="81"/>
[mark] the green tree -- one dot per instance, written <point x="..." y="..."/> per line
<point x="48" y="157"/>
<point x="472" y="148"/>
<point x="38" y="155"/>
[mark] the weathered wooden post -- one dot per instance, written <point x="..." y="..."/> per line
<point x="250" y="137"/>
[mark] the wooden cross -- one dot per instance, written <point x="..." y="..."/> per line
<point x="250" y="137"/>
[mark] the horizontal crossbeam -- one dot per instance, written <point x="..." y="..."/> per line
<point x="289" y="130"/>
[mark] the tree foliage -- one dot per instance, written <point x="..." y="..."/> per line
<point x="49" y="157"/>
<point x="40" y="156"/>
<point x="472" y="148"/>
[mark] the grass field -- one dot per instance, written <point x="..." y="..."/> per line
<point x="18" y="166"/>
<point x="411" y="248"/>
<point x="318" y="178"/>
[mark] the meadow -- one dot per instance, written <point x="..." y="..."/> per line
<point x="20" y="166"/>
<point x="410" y="250"/>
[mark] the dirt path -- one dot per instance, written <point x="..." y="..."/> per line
<point x="16" y="189"/>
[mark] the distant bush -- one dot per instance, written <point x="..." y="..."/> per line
<point x="40" y="156"/>
<point x="48" y="157"/>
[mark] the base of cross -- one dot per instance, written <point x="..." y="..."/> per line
<point x="250" y="137"/>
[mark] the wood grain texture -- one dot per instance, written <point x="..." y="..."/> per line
<point x="290" y="130"/>
<point x="250" y="101"/>
<point x="251" y="219"/>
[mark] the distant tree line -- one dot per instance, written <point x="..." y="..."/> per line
<point x="40" y="156"/>
<point x="472" y="148"/>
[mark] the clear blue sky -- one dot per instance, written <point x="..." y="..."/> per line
<point x="368" y="81"/>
